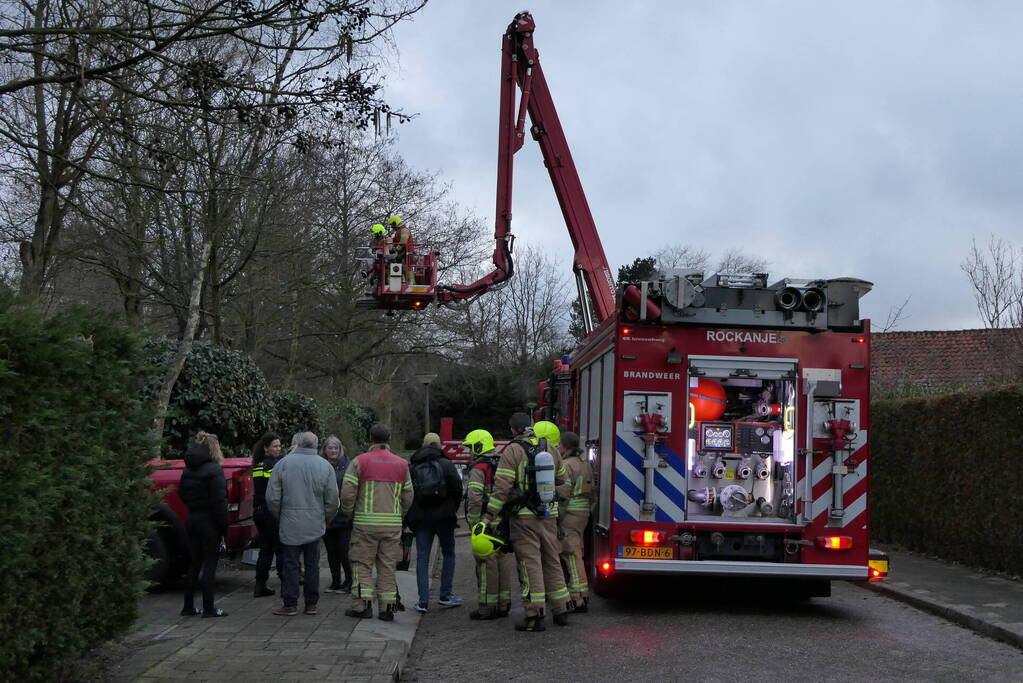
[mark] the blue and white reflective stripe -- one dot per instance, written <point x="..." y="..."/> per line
<point x="669" y="482"/>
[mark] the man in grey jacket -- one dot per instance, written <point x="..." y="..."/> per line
<point x="303" y="496"/>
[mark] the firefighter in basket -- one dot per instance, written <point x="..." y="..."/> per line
<point x="572" y="520"/>
<point x="401" y="245"/>
<point x="527" y="480"/>
<point x="494" y="567"/>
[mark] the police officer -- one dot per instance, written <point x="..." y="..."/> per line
<point x="494" y="572"/>
<point x="573" y="517"/>
<point x="376" y="492"/>
<point x="534" y="529"/>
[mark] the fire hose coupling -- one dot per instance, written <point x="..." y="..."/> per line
<point x="744" y="470"/>
<point x="785" y="507"/>
<point x="720" y="469"/>
<point x="765" y="507"/>
<point x="699" y="470"/>
<point x="706" y="497"/>
<point x="685" y="538"/>
<point x="763" y="469"/>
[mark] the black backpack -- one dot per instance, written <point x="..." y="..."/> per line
<point x="428" y="482"/>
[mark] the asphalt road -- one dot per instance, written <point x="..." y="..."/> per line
<point x="708" y="632"/>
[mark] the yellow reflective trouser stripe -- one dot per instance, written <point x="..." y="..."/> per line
<point x="504" y="596"/>
<point x="387" y="596"/>
<point x="360" y="591"/>
<point x="560" y="594"/>
<point x="482" y="579"/>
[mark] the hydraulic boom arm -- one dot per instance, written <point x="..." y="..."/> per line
<point x="524" y="90"/>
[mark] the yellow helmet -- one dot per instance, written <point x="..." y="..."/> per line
<point x="479" y="441"/>
<point x="484" y="543"/>
<point x="394" y="221"/>
<point x="547" y="430"/>
<point x="379" y="229"/>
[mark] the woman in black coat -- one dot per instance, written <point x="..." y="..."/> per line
<point x="339" y="530"/>
<point x="203" y="489"/>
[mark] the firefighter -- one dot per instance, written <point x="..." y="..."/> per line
<point x="534" y="526"/>
<point x="376" y="492"/>
<point x="379" y="239"/>
<point x="401" y="240"/>
<point x="573" y="517"/>
<point x="494" y="572"/>
<point x="548" y="430"/>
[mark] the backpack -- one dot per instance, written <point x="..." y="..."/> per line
<point x="428" y="481"/>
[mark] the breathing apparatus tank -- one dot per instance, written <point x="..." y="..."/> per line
<point x="543" y="467"/>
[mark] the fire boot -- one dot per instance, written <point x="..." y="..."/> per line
<point x="366" y="613"/>
<point x="580" y="606"/>
<point x="561" y="619"/>
<point x="387" y="614"/>
<point x="261" y="591"/>
<point x="532" y="624"/>
<point x="480" y="615"/>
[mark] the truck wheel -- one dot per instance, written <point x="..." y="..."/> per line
<point x="159" y="548"/>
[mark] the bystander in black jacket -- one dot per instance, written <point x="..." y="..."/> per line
<point x="446" y="510"/>
<point x="203" y="489"/>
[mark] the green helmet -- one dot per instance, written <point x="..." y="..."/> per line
<point x="479" y="441"/>
<point x="395" y="221"/>
<point x="379" y="230"/>
<point x="547" y="430"/>
<point x="484" y="543"/>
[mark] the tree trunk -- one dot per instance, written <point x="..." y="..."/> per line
<point x="185" y="345"/>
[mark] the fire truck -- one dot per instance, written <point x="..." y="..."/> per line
<point x="726" y="417"/>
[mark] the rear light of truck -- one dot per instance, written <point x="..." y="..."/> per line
<point x="647" y="536"/>
<point x="835" y="542"/>
<point x="605" y="567"/>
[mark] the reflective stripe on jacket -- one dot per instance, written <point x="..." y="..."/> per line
<point x="377" y="489"/>
<point x="580" y="477"/>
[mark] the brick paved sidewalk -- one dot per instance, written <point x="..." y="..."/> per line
<point x="253" y="644"/>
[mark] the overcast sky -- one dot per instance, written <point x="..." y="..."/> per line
<point x="867" y="139"/>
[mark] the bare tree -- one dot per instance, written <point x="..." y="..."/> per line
<point x="896" y="315"/>
<point x="996" y="276"/>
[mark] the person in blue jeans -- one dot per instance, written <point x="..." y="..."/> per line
<point x="438" y="493"/>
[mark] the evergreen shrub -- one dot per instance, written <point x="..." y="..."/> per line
<point x="295" y="413"/>
<point x="946" y="476"/>
<point x="77" y="503"/>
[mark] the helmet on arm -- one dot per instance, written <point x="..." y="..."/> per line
<point x="484" y="541"/>
<point x="479" y="441"/>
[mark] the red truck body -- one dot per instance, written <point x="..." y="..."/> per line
<point x="168" y="544"/>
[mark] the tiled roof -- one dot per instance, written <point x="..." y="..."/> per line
<point x="947" y="359"/>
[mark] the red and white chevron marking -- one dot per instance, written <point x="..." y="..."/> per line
<point x="855" y="485"/>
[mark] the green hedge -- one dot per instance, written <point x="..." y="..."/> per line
<point x="295" y="413"/>
<point x="220" y="390"/>
<point x="349" y="421"/>
<point x="946" y="476"/>
<point x="76" y="505"/>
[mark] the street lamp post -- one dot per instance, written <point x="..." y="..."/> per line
<point x="426" y="379"/>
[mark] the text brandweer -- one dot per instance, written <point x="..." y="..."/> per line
<point x="633" y="374"/>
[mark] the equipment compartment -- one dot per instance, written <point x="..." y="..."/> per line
<point x="741" y="439"/>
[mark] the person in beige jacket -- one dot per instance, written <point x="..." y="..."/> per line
<point x="376" y="492"/>
<point x="574" y="514"/>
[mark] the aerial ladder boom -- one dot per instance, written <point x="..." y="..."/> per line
<point x="524" y="91"/>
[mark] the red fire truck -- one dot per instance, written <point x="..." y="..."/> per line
<point x="726" y="417"/>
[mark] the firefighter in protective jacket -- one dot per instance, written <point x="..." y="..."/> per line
<point x="376" y="492"/>
<point x="573" y="518"/>
<point x="493" y="573"/>
<point x="534" y="529"/>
